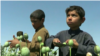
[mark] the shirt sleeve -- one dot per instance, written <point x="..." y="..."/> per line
<point x="34" y="44"/>
<point x="49" y="41"/>
<point x="88" y="46"/>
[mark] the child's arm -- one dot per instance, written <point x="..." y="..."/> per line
<point x="49" y="41"/>
<point x="88" y="46"/>
<point x="34" y="44"/>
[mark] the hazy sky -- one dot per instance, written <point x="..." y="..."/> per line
<point x="15" y="16"/>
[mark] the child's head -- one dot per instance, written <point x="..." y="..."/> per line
<point x="75" y="16"/>
<point x="19" y="33"/>
<point x="37" y="18"/>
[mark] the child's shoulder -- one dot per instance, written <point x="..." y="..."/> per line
<point x="87" y="35"/>
<point x="63" y="31"/>
<point x="84" y="32"/>
<point x="43" y="30"/>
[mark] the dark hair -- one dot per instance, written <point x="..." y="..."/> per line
<point x="19" y="33"/>
<point x="78" y="10"/>
<point x="37" y="14"/>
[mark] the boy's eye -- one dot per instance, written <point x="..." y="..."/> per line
<point x="68" y="15"/>
<point x="74" y="15"/>
<point x="33" y="21"/>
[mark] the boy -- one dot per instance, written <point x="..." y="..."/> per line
<point x="83" y="42"/>
<point x="19" y="33"/>
<point x="37" y="18"/>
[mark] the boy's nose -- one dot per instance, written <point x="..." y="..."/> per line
<point x="70" y="18"/>
<point x="33" y="24"/>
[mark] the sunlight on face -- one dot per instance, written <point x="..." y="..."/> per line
<point x="73" y="19"/>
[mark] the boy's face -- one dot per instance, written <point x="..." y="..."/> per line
<point x="73" y="19"/>
<point x="36" y="23"/>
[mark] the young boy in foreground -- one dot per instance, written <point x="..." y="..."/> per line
<point x="83" y="42"/>
<point x="37" y="18"/>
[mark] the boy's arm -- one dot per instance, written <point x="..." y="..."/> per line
<point x="34" y="44"/>
<point x="88" y="46"/>
<point x="49" y="41"/>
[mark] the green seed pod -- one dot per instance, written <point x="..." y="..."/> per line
<point x="88" y="54"/>
<point x="21" y="37"/>
<point x="13" y="49"/>
<point x="64" y="43"/>
<point x="47" y="49"/>
<point x="43" y="50"/>
<point x="18" y="37"/>
<point x="9" y="49"/>
<point x="6" y="44"/>
<point x="25" y="51"/>
<point x="13" y="54"/>
<point x="17" y="45"/>
<point x="70" y="43"/>
<point x="19" y="52"/>
<point x="54" y="52"/>
<point x="51" y="49"/>
<point x="25" y="36"/>
<point x="42" y="44"/>
<point x="39" y="38"/>
<point x="98" y="54"/>
<point x="97" y="49"/>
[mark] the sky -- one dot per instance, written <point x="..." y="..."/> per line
<point x="15" y="16"/>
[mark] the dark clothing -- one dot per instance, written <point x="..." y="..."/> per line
<point x="86" y="42"/>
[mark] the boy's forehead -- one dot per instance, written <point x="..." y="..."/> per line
<point x="34" y="19"/>
<point x="72" y="12"/>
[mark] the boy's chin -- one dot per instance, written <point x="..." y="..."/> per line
<point x="70" y="26"/>
<point x="34" y="27"/>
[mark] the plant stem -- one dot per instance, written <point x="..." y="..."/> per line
<point x="40" y="50"/>
<point x="26" y="42"/>
<point x="47" y="53"/>
<point x="98" y="54"/>
<point x="70" y="50"/>
<point x="43" y="54"/>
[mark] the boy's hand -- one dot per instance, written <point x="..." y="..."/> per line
<point x="13" y="42"/>
<point x="56" y="40"/>
<point x="75" y="43"/>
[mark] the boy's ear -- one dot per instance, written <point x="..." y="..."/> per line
<point x="83" y="19"/>
<point x="42" y="19"/>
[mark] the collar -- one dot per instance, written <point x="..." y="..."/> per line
<point x="39" y="28"/>
<point x="74" y="32"/>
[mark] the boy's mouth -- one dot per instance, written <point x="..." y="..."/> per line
<point x="69" y="22"/>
